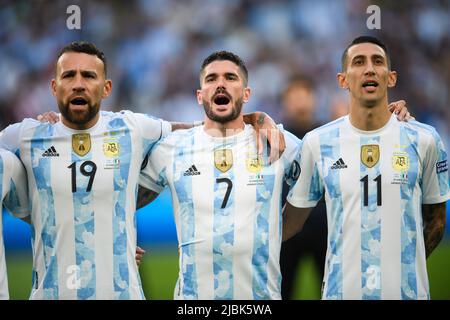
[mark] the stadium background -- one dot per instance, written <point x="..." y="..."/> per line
<point x="154" y="49"/>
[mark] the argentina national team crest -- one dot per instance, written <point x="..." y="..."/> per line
<point x="111" y="150"/>
<point x="400" y="164"/>
<point x="370" y="155"/>
<point x="400" y="161"/>
<point x="254" y="163"/>
<point x="223" y="159"/>
<point x="81" y="143"/>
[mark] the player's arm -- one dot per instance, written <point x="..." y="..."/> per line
<point x="16" y="200"/>
<point x="293" y="220"/>
<point x="145" y="196"/>
<point x="266" y="130"/>
<point x="433" y="216"/>
<point x="435" y="190"/>
<point x="306" y="189"/>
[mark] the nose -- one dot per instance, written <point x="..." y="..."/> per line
<point x="78" y="84"/>
<point x="221" y="82"/>
<point x="370" y="70"/>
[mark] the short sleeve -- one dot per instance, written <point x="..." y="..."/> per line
<point x="10" y="137"/>
<point x="153" y="176"/>
<point x="308" y="189"/>
<point x="15" y="185"/>
<point x="291" y="157"/>
<point x="435" y="179"/>
<point x="152" y="128"/>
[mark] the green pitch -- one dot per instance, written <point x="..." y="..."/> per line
<point x="159" y="271"/>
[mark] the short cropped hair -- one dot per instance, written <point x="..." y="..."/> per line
<point x="225" y="56"/>
<point x="364" y="39"/>
<point x="84" y="47"/>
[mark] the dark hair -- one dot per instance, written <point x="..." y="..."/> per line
<point x="364" y="39"/>
<point x="222" y="56"/>
<point x="84" y="47"/>
<point x="299" y="80"/>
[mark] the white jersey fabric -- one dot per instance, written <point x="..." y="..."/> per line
<point x="14" y="196"/>
<point x="374" y="184"/>
<point x="227" y="209"/>
<point x="83" y="189"/>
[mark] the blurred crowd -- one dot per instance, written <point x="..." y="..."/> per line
<point x="155" y="47"/>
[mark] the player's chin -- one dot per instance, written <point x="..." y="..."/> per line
<point x="80" y="117"/>
<point x="223" y="108"/>
<point x="370" y="102"/>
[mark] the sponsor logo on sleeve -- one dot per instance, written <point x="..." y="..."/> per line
<point x="441" y="166"/>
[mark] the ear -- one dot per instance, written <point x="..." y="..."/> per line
<point x="53" y="85"/>
<point x="342" y="80"/>
<point x="107" y="88"/>
<point x="199" y="97"/>
<point x="392" y="79"/>
<point x="247" y="94"/>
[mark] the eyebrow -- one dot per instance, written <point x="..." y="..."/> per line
<point x="227" y="74"/>
<point x="378" y="56"/>
<point x="89" y="73"/>
<point x="84" y="73"/>
<point x="359" y="56"/>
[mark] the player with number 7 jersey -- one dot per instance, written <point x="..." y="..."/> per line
<point x="83" y="188"/>
<point x="227" y="209"/>
<point x="226" y="197"/>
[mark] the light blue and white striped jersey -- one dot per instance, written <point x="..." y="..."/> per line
<point x="227" y="209"/>
<point x="83" y="189"/>
<point x="14" y="196"/>
<point x="375" y="184"/>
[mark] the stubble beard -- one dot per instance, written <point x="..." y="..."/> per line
<point x="79" y="118"/>
<point x="235" y="112"/>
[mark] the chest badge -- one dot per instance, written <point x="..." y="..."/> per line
<point x="254" y="164"/>
<point x="81" y="143"/>
<point x="400" y="161"/>
<point x="223" y="159"/>
<point x="370" y="155"/>
<point x="111" y="148"/>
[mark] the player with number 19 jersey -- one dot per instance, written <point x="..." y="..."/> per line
<point x="374" y="184"/>
<point x="227" y="208"/>
<point x="83" y="189"/>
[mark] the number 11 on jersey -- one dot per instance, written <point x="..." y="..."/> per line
<point x="365" y="180"/>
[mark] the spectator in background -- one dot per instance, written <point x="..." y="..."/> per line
<point x="298" y="106"/>
<point x="274" y="37"/>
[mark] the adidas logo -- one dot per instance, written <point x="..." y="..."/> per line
<point x="192" y="171"/>
<point x="339" y="164"/>
<point x="50" y="152"/>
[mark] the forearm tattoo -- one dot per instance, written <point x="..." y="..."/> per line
<point x="434" y="225"/>
<point x="261" y="119"/>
